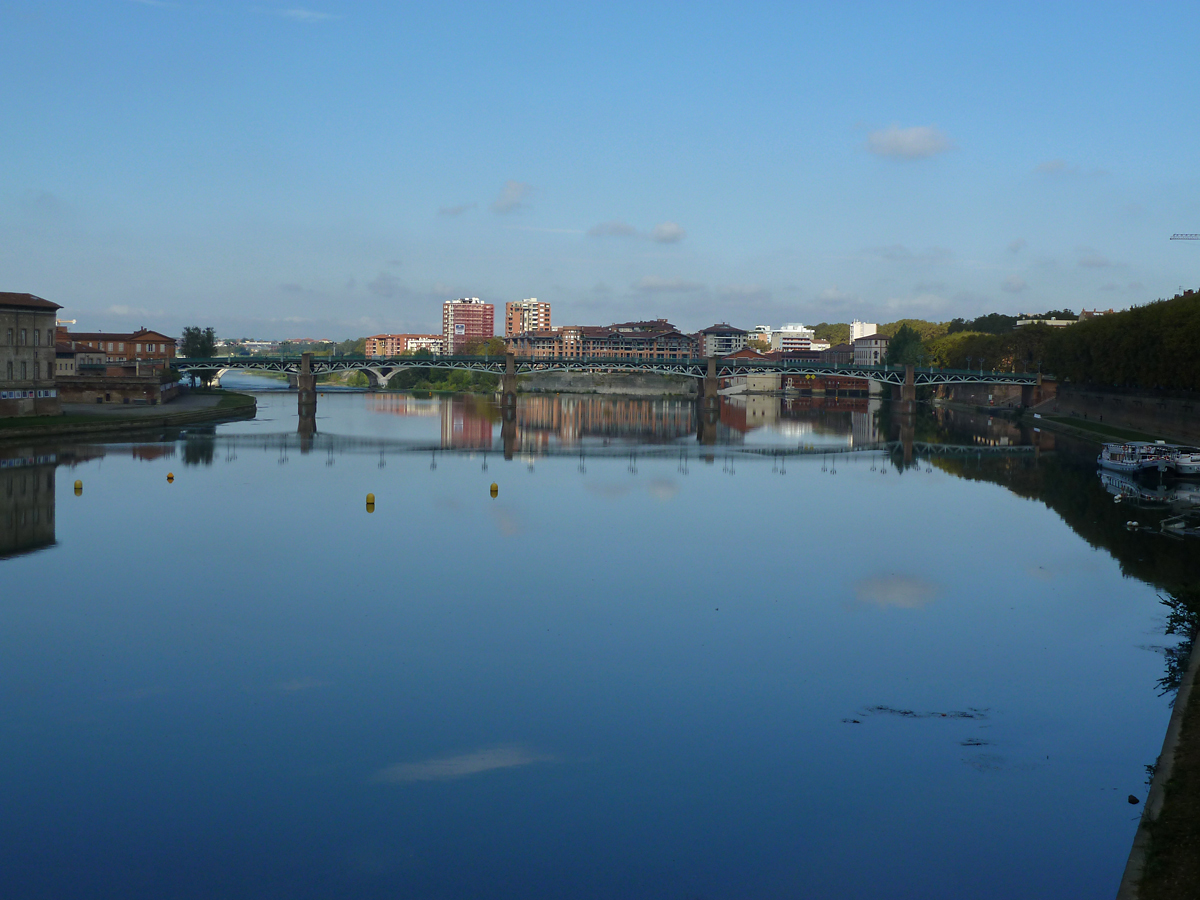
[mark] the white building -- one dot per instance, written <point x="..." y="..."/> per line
<point x="792" y="336"/>
<point x="722" y="339"/>
<point x="861" y="329"/>
<point x="870" y="350"/>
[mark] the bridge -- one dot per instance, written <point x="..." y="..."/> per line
<point x="379" y="370"/>
<point x="306" y="367"/>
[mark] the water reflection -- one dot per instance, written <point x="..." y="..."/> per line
<point x="26" y="502"/>
<point x="447" y="714"/>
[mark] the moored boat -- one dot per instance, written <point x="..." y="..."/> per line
<point x="1134" y="456"/>
<point x="1185" y="460"/>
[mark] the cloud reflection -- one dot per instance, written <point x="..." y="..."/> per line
<point x="451" y="768"/>
<point x="901" y="591"/>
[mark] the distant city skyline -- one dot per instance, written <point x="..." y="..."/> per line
<point x="342" y="169"/>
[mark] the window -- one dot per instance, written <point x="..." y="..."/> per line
<point x="110" y="346"/>
<point x="10" y="378"/>
<point x="49" y="337"/>
<point x="121" y="347"/>
<point x="138" y="347"/>
<point x="22" y="337"/>
<point x="24" y="372"/>
<point x="37" y="338"/>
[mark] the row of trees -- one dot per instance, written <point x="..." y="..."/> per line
<point x="1156" y="346"/>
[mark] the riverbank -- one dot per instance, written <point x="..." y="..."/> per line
<point x="80" y="419"/>
<point x="1164" y="863"/>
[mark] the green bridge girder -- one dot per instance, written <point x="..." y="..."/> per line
<point x="384" y="367"/>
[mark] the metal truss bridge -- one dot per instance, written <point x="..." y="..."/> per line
<point x="381" y="369"/>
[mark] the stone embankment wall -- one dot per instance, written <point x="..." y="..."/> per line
<point x="1172" y="414"/>
<point x="634" y="384"/>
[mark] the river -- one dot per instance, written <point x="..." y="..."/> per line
<point x="779" y="662"/>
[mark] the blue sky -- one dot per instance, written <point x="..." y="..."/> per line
<point x="340" y="168"/>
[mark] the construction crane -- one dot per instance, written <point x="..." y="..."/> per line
<point x="1185" y="237"/>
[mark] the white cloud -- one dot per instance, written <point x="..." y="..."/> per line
<point x="1055" y="167"/>
<point x="901" y="253"/>
<point x="1016" y="245"/>
<point x="901" y="591"/>
<point x="836" y="296"/>
<point x="1013" y="285"/>
<point x="615" y="228"/>
<point x="668" y="233"/>
<point x="122" y="310"/>
<point x="917" y="142"/>
<point x="745" y="293"/>
<point x="652" y="284"/>
<point x="663" y="489"/>
<point x="385" y="284"/>
<point x="306" y="15"/>
<point x="455" y="210"/>
<point x="450" y="768"/>
<point x="512" y="197"/>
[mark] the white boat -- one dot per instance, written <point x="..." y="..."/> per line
<point x="1185" y="460"/>
<point x="1134" y="456"/>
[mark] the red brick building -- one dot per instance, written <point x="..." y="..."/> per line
<point x="526" y="315"/>
<point x="654" y="339"/>
<point x="139" y="345"/>
<point x="465" y="320"/>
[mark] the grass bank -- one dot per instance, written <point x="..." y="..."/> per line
<point x="229" y="405"/>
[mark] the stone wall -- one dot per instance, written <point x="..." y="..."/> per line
<point x="114" y="389"/>
<point x="1172" y="414"/>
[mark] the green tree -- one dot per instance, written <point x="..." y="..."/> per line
<point x="492" y="346"/>
<point x="905" y="348"/>
<point x="199" y="343"/>
<point x="926" y="331"/>
<point x="834" y="332"/>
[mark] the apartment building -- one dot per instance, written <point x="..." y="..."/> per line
<point x="721" y="339"/>
<point x="465" y="320"/>
<point x="861" y="329"/>
<point x="792" y="337"/>
<point x="397" y="344"/>
<point x="654" y="339"/>
<point x="526" y="315"/>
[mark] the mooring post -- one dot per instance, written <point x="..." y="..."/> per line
<point x="508" y="381"/>
<point x="306" y="389"/>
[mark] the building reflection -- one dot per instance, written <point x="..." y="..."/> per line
<point x="26" y="503"/>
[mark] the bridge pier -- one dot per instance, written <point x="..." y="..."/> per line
<point x="508" y="383"/>
<point x="306" y="394"/>
<point x="712" y="386"/>
<point x="508" y="431"/>
<point x="1031" y="394"/>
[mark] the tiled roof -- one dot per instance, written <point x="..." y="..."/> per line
<point x="26" y="301"/>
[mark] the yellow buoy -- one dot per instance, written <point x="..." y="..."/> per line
<point x="495" y="489"/>
<point x="170" y="477"/>
<point x="370" y="503"/>
<point x="78" y="488"/>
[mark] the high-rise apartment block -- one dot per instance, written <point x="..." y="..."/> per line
<point x="521" y="316"/>
<point x="465" y="320"/>
<point x="861" y="329"/>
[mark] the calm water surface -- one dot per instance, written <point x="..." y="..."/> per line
<point x="635" y="673"/>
